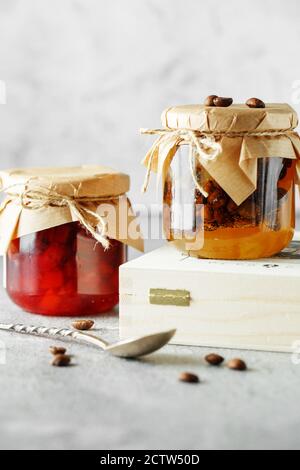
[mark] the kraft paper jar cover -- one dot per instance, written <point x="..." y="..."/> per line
<point x="243" y="134"/>
<point x="94" y="187"/>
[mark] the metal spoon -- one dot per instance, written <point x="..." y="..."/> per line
<point x="129" y="348"/>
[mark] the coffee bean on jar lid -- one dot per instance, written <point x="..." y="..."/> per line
<point x="209" y="101"/>
<point x="222" y="102"/>
<point x="237" y="364"/>
<point x="255" y="103"/>
<point x="188" y="377"/>
<point x="214" y="359"/>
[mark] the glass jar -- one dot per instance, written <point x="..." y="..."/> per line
<point x="63" y="271"/>
<point x="228" y="173"/>
<point x="216" y="227"/>
<point x="64" y="233"/>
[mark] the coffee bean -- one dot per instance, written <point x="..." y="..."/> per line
<point x="255" y="103"/>
<point x="83" y="324"/>
<point x="208" y="214"/>
<point x="209" y="186"/>
<point x="188" y="377"/>
<point x="237" y="364"/>
<point x="214" y="197"/>
<point x="57" y="350"/>
<point x="220" y="215"/>
<point x="231" y="206"/>
<point x="222" y="102"/>
<point x="214" y="359"/>
<point x="209" y="101"/>
<point x="61" y="360"/>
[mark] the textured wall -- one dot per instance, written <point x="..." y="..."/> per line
<point x="83" y="75"/>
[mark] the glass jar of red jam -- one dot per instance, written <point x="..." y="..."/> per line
<point x="62" y="233"/>
<point x="63" y="271"/>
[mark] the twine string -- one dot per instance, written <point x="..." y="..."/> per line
<point x="203" y="146"/>
<point x="38" y="197"/>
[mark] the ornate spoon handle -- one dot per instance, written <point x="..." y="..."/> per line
<point x="53" y="332"/>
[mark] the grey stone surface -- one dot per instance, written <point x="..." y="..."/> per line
<point x="103" y="402"/>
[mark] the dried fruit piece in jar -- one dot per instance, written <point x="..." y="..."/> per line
<point x="220" y="215"/>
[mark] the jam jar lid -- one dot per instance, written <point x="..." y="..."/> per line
<point x="41" y="198"/>
<point x="236" y="118"/>
<point x="89" y="180"/>
<point x="226" y="142"/>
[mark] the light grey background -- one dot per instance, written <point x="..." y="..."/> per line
<point x="84" y="75"/>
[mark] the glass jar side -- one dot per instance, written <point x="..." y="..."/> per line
<point x="63" y="271"/>
<point x="214" y="226"/>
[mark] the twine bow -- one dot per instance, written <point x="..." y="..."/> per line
<point x="203" y="147"/>
<point x="38" y="197"/>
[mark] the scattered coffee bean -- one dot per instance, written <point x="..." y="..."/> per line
<point x="255" y="103"/>
<point x="222" y="102"/>
<point x="188" y="377"/>
<point x="61" y="360"/>
<point x="57" y="350"/>
<point x="83" y="324"/>
<point x="237" y="364"/>
<point x="214" y="359"/>
<point x="209" y="101"/>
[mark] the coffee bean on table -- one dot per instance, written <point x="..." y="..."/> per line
<point x="188" y="377"/>
<point x="57" y="350"/>
<point x="222" y="101"/>
<point x="214" y="359"/>
<point x="237" y="364"/>
<point x="209" y="101"/>
<point x="83" y="324"/>
<point x="61" y="360"/>
<point x="255" y="103"/>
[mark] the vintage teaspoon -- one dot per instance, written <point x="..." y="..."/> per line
<point x="129" y="348"/>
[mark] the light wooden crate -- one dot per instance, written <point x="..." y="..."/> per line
<point x="234" y="304"/>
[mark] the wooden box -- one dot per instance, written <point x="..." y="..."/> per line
<point x="233" y="304"/>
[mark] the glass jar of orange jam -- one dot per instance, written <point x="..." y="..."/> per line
<point x="228" y="173"/>
<point x="215" y="226"/>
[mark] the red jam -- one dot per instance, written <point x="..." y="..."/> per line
<point x="64" y="271"/>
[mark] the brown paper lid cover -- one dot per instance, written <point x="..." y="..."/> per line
<point x="87" y="180"/>
<point x="235" y="118"/>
